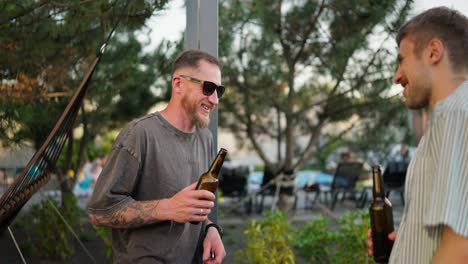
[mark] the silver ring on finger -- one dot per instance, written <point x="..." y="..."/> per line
<point x="201" y="211"/>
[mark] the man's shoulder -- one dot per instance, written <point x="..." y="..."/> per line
<point x="141" y="124"/>
<point x="136" y="128"/>
<point x="144" y="121"/>
<point x="455" y="103"/>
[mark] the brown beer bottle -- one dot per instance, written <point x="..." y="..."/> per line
<point x="381" y="217"/>
<point x="209" y="180"/>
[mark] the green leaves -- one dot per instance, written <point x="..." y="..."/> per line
<point x="48" y="234"/>
<point x="321" y="240"/>
<point x="268" y="241"/>
<point x="296" y="67"/>
<point x="46" y="48"/>
<point x="314" y="240"/>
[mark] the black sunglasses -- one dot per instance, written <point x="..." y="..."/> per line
<point x="208" y="87"/>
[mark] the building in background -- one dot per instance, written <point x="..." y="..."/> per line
<point x="13" y="161"/>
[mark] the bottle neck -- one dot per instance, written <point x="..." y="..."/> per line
<point x="215" y="167"/>
<point x="378" y="188"/>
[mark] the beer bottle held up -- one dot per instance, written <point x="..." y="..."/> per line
<point x="381" y="217"/>
<point x="209" y="180"/>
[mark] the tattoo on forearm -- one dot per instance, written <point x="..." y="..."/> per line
<point x="134" y="214"/>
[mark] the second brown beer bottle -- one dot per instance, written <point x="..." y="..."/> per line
<point x="209" y="180"/>
<point x="381" y="217"/>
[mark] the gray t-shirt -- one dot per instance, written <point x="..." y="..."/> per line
<point x="150" y="160"/>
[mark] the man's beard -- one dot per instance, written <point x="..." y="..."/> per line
<point x="421" y="94"/>
<point x="191" y="109"/>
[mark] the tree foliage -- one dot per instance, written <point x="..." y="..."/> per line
<point x="46" y="47"/>
<point x="307" y="73"/>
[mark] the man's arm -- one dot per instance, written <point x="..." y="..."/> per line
<point x="213" y="247"/>
<point x="453" y="248"/>
<point x="131" y="215"/>
<point x="187" y="205"/>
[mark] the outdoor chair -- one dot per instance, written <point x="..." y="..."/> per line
<point x="266" y="188"/>
<point x="311" y="189"/>
<point x="394" y="177"/>
<point x="233" y="181"/>
<point x="274" y="189"/>
<point x="308" y="189"/>
<point x="344" y="184"/>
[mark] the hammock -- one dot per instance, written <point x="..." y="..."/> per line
<point x="38" y="170"/>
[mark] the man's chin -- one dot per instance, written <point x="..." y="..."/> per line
<point x="415" y="105"/>
<point x="202" y="122"/>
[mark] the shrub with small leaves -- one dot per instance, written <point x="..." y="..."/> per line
<point x="105" y="233"/>
<point x="314" y="241"/>
<point x="345" y="242"/>
<point x="268" y="241"/>
<point x="50" y="236"/>
<point x="351" y="238"/>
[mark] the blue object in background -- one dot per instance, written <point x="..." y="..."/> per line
<point x="318" y="177"/>
<point x="84" y="187"/>
<point x="255" y="179"/>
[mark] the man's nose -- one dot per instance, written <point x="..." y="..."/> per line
<point x="213" y="98"/>
<point x="397" y="77"/>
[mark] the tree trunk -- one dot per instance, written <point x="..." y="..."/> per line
<point x="286" y="203"/>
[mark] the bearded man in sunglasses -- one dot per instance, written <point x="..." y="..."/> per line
<point x="146" y="192"/>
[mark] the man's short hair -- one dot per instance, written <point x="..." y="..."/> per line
<point x="191" y="58"/>
<point x="448" y="25"/>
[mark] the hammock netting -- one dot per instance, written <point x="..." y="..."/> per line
<point x="38" y="170"/>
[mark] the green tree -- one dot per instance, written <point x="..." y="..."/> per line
<point x="306" y="74"/>
<point x="46" y="47"/>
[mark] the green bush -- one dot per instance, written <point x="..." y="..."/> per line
<point x="105" y="233"/>
<point x="351" y="238"/>
<point x="314" y="241"/>
<point x="321" y="240"/>
<point x="268" y="241"/>
<point x="318" y="242"/>
<point x="49" y="236"/>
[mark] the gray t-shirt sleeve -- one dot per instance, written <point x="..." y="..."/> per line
<point x="116" y="183"/>
<point x="449" y="199"/>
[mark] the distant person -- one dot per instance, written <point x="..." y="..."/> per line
<point x="88" y="177"/>
<point x="433" y="69"/>
<point x="347" y="157"/>
<point x="403" y="155"/>
<point x="96" y="167"/>
<point x="146" y="191"/>
<point x="344" y="157"/>
<point x="395" y="170"/>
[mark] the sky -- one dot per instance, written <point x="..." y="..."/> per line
<point x="170" y="23"/>
<point x="167" y="24"/>
<point x="460" y="5"/>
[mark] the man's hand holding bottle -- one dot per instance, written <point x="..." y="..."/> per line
<point x="370" y="246"/>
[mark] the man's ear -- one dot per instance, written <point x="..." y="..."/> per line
<point x="436" y="50"/>
<point x="176" y="84"/>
